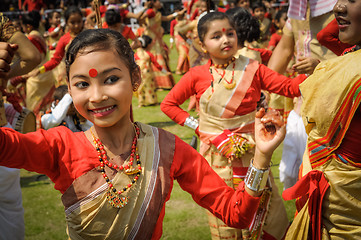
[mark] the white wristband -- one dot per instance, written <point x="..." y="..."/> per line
<point x="256" y="179"/>
<point x="175" y="14"/>
<point x="191" y="122"/>
<point x="57" y="29"/>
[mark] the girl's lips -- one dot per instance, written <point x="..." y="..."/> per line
<point x="342" y="23"/>
<point x="227" y="48"/>
<point x="101" y="112"/>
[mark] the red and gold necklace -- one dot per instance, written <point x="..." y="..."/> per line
<point x="228" y="84"/>
<point x="225" y="65"/>
<point x="114" y="196"/>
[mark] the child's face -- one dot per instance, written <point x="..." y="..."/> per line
<point x="259" y="13"/>
<point x="55" y="20"/>
<point x="244" y="4"/>
<point x="221" y="40"/>
<point x="282" y="21"/>
<point x="75" y="23"/>
<point x="27" y="28"/>
<point x="202" y="6"/>
<point x="101" y="88"/>
<point x="348" y="16"/>
<point x="157" y="4"/>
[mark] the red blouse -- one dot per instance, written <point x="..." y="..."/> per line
<point x="328" y="37"/>
<point x="64" y="156"/>
<point x="59" y="52"/>
<point x="198" y="79"/>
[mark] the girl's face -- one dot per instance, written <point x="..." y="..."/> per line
<point x="282" y="21"/>
<point x="157" y="4"/>
<point x="202" y="7"/>
<point x="348" y="16"/>
<point x="27" y="28"/>
<point x="220" y="41"/>
<point x="259" y="13"/>
<point x="101" y="88"/>
<point x="75" y="23"/>
<point x="55" y="20"/>
<point x="244" y="3"/>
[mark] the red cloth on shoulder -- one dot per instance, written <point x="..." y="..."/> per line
<point x="328" y="37"/>
<point x="59" y="52"/>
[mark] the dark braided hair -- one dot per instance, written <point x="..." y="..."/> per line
<point x="247" y="26"/>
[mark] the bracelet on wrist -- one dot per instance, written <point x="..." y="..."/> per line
<point x="191" y="122"/>
<point x="42" y="69"/>
<point x="256" y="179"/>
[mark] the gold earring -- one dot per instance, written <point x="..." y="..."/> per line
<point x="205" y="51"/>
<point x="135" y="87"/>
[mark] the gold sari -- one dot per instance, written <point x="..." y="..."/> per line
<point x="337" y="92"/>
<point x="217" y="113"/>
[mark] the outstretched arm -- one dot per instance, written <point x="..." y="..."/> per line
<point x="28" y="54"/>
<point x="282" y="54"/>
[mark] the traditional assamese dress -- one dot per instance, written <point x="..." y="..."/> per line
<point x="39" y="89"/>
<point x="225" y="108"/>
<point x="329" y="192"/>
<point x="159" y="50"/>
<point x="181" y="44"/>
<point x="147" y="90"/>
<point x="71" y="162"/>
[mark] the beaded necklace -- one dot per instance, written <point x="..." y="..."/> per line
<point x="225" y="65"/>
<point x="114" y="196"/>
<point x="228" y="84"/>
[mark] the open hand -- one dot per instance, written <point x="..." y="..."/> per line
<point x="270" y="131"/>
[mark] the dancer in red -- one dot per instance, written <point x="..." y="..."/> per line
<point x="228" y="89"/>
<point x="119" y="174"/>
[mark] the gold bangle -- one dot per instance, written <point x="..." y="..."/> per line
<point x="42" y="69"/>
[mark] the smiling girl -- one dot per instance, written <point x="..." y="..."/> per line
<point x="116" y="177"/>
<point x="228" y="89"/>
<point x="329" y="192"/>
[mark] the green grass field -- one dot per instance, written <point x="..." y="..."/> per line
<point x="44" y="215"/>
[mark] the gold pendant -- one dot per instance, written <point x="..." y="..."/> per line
<point x="116" y="200"/>
<point x="131" y="171"/>
<point x="229" y="85"/>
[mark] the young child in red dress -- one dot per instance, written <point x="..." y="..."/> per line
<point x="228" y="90"/>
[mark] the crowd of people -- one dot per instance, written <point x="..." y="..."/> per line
<point x="257" y="73"/>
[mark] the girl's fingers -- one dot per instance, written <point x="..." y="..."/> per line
<point x="4" y="66"/>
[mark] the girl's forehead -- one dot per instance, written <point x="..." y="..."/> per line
<point x="215" y="25"/>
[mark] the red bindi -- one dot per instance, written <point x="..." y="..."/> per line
<point x="223" y="29"/>
<point x="93" y="73"/>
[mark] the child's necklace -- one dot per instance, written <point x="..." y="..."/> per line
<point x="114" y="197"/>
<point x="228" y="84"/>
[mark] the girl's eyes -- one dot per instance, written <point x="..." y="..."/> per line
<point x="81" y="85"/>
<point x="111" y="79"/>
<point x="108" y="80"/>
<point x="231" y="34"/>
